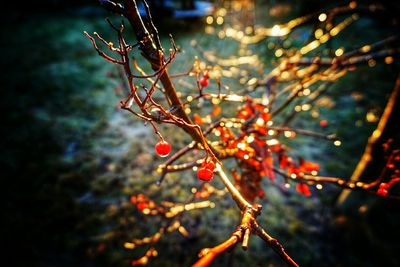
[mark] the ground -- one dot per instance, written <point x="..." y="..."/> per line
<point x="72" y="159"/>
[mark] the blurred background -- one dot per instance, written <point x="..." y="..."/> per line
<point x="71" y="160"/>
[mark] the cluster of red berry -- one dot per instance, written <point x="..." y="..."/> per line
<point x="384" y="188"/>
<point x="392" y="171"/>
<point x="254" y="150"/>
<point x="206" y="171"/>
<point x="146" y="205"/>
<point x="141" y="202"/>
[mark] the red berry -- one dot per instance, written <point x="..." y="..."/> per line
<point x="141" y="198"/>
<point x="141" y="206"/>
<point x="383" y="189"/>
<point x="205" y="174"/>
<point x="204" y="81"/>
<point x="210" y="165"/>
<point x="133" y="199"/>
<point x="163" y="148"/>
<point x="323" y="123"/>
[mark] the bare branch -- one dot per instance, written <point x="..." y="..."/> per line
<point x="112" y="6"/>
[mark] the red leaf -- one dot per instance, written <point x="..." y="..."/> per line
<point x="265" y="116"/>
<point x="216" y="110"/>
<point x="303" y="189"/>
<point x="197" y="119"/>
<point x="283" y="161"/>
<point x="268" y="165"/>
<point x="307" y="166"/>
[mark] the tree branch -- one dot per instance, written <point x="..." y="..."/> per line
<point x="274" y="244"/>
